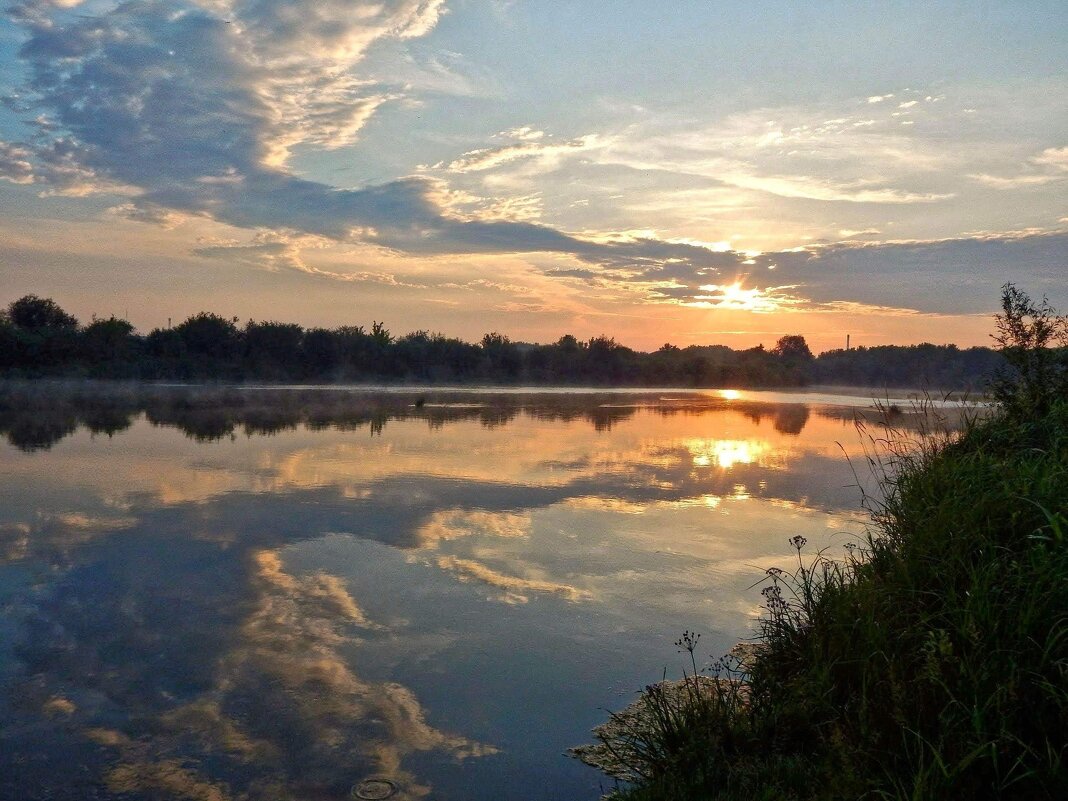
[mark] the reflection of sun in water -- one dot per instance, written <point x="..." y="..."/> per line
<point x="725" y="453"/>
<point x="730" y="394"/>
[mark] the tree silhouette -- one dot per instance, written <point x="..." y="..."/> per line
<point x="1028" y="335"/>
<point x="792" y="348"/>
<point x="31" y="313"/>
<point x="37" y="337"/>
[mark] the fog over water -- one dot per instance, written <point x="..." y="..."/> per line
<point x="280" y="594"/>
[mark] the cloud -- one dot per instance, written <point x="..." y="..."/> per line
<point x="514" y="587"/>
<point x="1053" y="161"/>
<point x="456" y="523"/>
<point x="1014" y="182"/>
<point x="194" y="108"/>
<point x="287" y="648"/>
<point x="811" y="188"/>
<point x="1056" y="157"/>
<point x="486" y="159"/>
<point x="158" y="94"/>
<point x="525" y="133"/>
<point x="15" y="164"/>
<point x="826" y="153"/>
<point x="953" y="275"/>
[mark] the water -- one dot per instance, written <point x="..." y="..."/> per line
<point x="323" y="594"/>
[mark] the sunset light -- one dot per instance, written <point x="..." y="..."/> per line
<point x="442" y="166"/>
<point x="385" y="384"/>
<point x="726" y="453"/>
<point x="735" y="296"/>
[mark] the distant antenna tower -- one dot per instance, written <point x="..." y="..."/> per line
<point x="847" y="341"/>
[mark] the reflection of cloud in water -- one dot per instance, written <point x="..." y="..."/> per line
<point x="515" y="587"/>
<point x="188" y="653"/>
<point x="267" y="707"/>
<point x="55" y="536"/>
<point x="319" y="715"/>
<point x="454" y="523"/>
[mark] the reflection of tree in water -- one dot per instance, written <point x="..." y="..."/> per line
<point x="34" y="432"/>
<point x="791" y="418"/>
<point x="32" y="418"/>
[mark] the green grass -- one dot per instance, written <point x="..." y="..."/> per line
<point x="930" y="664"/>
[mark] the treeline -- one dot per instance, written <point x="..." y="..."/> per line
<point x="39" y="339"/>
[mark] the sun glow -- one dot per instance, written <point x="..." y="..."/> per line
<point x="735" y="296"/>
<point x="725" y="453"/>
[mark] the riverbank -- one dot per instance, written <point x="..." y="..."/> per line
<point x="931" y="663"/>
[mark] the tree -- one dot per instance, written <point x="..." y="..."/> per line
<point x="8" y="343"/>
<point x="569" y="344"/>
<point x="273" y="350"/>
<point x="207" y="334"/>
<point x="320" y="353"/>
<point x="31" y="313"/>
<point x="211" y="346"/>
<point x="109" y="346"/>
<point x="45" y="336"/>
<point x="503" y="355"/>
<point x="1028" y="336"/>
<point x="792" y="348"/>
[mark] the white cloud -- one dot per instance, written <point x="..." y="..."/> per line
<point x="1013" y="182"/>
<point x="524" y="133"/>
<point x="547" y="151"/>
<point x="1055" y="157"/>
<point x="15" y="163"/>
<point x="516" y="589"/>
<point x="803" y="186"/>
<point x="1054" y="160"/>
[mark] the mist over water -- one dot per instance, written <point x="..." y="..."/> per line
<point x="273" y="594"/>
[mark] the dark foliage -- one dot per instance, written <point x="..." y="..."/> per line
<point x="1033" y="338"/>
<point x="37" y="338"/>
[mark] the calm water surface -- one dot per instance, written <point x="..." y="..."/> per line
<point x="280" y="595"/>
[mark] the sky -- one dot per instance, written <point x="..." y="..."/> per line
<point x="686" y="172"/>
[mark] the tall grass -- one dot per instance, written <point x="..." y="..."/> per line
<point x="932" y="663"/>
<point x="929" y="663"/>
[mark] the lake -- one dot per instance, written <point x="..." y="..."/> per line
<point x="301" y="593"/>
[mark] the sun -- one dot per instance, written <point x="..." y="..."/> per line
<point x="735" y="296"/>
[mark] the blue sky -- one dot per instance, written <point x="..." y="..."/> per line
<point x="686" y="172"/>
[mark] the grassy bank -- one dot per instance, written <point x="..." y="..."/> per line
<point x="930" y="664"/>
